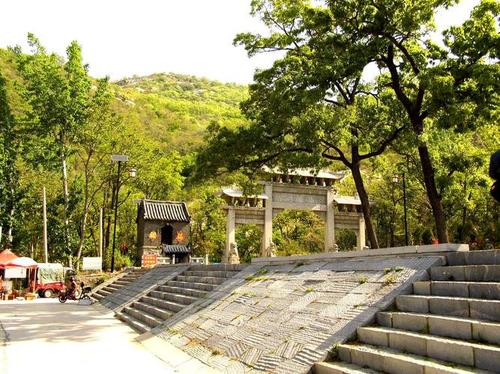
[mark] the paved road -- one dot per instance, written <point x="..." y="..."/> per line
<point x="46" y="337"/>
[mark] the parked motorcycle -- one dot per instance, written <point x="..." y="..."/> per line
<point x="83" y="295"/>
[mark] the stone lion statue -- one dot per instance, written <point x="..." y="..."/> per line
<point x="233" y="256"/>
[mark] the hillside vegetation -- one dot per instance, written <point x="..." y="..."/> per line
<point x="175" y="110"/>
<point x="417" y="145"/>
<point x="159" y="121"/>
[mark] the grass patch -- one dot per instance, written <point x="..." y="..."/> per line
<point x="390" y="279"/>
<point x="310" y="289"/>
<point x="256" y="278"/>
<point x="362" y="279"/>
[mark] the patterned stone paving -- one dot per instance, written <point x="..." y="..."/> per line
<point x="284" y="318"/>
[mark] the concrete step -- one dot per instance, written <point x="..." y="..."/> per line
<point x="476" y="355"/>
<point x="120" y="282"/>
<point x="137" y="325"/>
<point x="112" y="288"/>
<point x="212" y="267"/>
<point x="208" y="273"/>
<point x="182" y="291"/>
<point x="162" y="304"/>
<point x="486" y="257"/>
<point x="470" y="273"/>
<point x="488" y="310"/>
<point x="180" y="299"/>
<point x="190" y="285"/>
<point x="132" y="276"/>
<point x="148" y="319"/>
<point x="395" y="362"/>
<point x="153" y="310"/>
<point x="96" y="296"/>
<point x="341" y="368"/>
<point x="128" y="278"/>
<point x="103" y="292"/>
<point x="475" y="290"/>
<point x="451" y="327"/>
<point x="207" y="280"/>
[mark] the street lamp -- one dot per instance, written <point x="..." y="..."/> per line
<point x="395" y="179"/>
<point x="132" y="173"/>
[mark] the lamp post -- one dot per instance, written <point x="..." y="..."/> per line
<point x="119" y="159"/>
<point x="395" y="179"/>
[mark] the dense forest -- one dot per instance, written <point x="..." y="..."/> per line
<point x="187" y="136"/>
<point x="158" y="121"/>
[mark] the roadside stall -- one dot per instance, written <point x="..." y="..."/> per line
<point x="16" y="273"/>
<point x="5" y="283"/>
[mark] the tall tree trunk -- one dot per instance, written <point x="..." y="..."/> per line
<point x="82" y="235"/>
<point x="86" y="207"/>
<point x="432" y="194"/>
<point x="12" y="211"/>
<point x="365" y="204"/>
<point x="66" y="206"/>
<point x="107" y="209"/>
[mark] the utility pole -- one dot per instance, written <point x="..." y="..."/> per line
<point x="100" y="232"/>
<point x="119" y="159"/>
<point x="404" y="206"/>
<point x="116" y="216"/>
<point x="45" y="245"/>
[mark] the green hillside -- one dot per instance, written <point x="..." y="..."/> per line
<point x="159" y="121"/>
<point x="171" y="110"/>
<point x="175" y="110"/>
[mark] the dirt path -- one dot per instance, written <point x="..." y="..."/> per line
<point x="44" y="336"/>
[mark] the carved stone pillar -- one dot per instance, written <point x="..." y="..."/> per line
<point x="230" y="233"/>
<point x="330" y="221"/>
<point x="268" y="221"/>
<point x="361" y="233"/>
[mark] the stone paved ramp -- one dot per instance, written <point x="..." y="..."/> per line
<point x="284" y="318"/>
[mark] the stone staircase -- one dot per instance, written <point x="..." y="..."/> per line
<point x="174" y="295"/>
<point x="450" y="324"/>
<point x="129" y="277"/>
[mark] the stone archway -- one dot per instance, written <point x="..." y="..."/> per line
<point x="300" y="190"/>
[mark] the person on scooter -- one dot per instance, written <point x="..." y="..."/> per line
<point x="72" y="288"/>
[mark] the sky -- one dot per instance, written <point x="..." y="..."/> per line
<point x="122" y="38"/>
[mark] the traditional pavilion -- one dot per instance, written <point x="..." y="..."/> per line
<point x="163" y="229"/>
<point x="294" y="189"/>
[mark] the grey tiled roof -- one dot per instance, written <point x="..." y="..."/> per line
<point x="165" y="210"/>
<point x="169" y="249"/>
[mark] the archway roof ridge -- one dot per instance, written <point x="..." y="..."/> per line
<point x="307" y="172"/>
<point x="236" y="192"/>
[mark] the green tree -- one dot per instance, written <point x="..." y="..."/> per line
<point x="208" y="224"/>
<point x="434" y="84"/>
<point x="311" y="107"/>
<point x="455" y="86"/>
<point x="298" y="232"/>
<point x="9" y="148"/>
